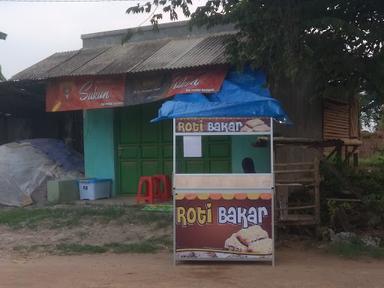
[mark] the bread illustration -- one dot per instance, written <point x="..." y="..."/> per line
<point x="262" y="246"/>
<point x="246" y="129"/>
<point x="254" y="122"/>
<point x="256" y="125"/>
<point x="253" y="239"/>
<point x="251" y="234"/>
<point x="233" y="244"/>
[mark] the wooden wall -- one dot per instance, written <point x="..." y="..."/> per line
<point x="313" y="117"/>
<point x="305" y="110"/>
<point x="341" y="119"/>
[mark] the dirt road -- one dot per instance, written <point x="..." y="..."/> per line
<point x="295" y="268"/>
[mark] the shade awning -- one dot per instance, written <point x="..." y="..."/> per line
<point x="243" y="94"/>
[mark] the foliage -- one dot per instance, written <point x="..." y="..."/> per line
<point x="3" y="36"/>
<point x="74" y="248"/>
<point x="340" y="42"/>
<point x="355" y="248"/>
<point x="150" y="245"/>
<point x="56" y="218"/>
<point x="2" y="78"/>
<point x="375" y="160"/>
<point x="366" y="185"/>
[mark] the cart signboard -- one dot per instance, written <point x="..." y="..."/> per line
<point x="225" y="226"/>
<point x="233" y="125"/>
<point x="225" y="216"/>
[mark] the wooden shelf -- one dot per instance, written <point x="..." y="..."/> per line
<point x="297" y="181"/>
<point x="294" y="185"/>
<point x="294" y="171"/>
<point x="299" y="219"/>
<point x="302" y="175"/>
<point x="298" y="207"/>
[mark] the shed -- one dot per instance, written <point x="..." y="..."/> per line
<point x="120" y="143"/>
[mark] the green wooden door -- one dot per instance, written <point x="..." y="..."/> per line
<point x="144" y="148"/>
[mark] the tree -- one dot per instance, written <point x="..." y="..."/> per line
<point x="339" y="41"/>
<point x="3" y="36"/>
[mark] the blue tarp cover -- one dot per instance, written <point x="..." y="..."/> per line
<point x="243" y="94"/>
<point x="57" y="151"/>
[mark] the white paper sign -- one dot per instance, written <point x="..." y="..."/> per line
<point x="192" y="146"/>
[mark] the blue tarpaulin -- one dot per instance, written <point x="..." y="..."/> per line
<point x="242" y="94"/>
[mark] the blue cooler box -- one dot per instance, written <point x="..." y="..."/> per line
<point x="92" y="189"/>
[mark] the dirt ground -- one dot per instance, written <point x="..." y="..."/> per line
<point x="39" y="231"/>
<point x="92" y="234"/>
<point x="295" y="268"/>
<point x="30" y="257"/>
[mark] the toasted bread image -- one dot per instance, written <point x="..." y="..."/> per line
<point x="262" y="246"/>
<point x="254" y="122"/>
<point x="254" y="125"/>
<point x="233" y="244"/>
<point x="253" y="239"/>
<point x="260" y="128"/>
<point x="250" y="234"/>
<point x="246" y="129"/>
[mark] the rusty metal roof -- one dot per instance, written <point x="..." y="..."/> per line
<point x="134" y="57"/>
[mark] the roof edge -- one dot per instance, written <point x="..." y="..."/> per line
<point x="125" y="30"/>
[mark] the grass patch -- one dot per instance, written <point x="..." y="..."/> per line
<point x="355" y="249"/>
<point x="150" y="245"/>
<point x="20" y="217"/>
<point x="141" y="247"/>
<point x="33" y="248"/>
<point x="375" y="159"/>
<point x="73" y="248"/>
<point x="54" y="218"/>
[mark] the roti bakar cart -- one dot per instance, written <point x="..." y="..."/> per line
<point x="223" y="209"/>
<point x="221" y="216"/>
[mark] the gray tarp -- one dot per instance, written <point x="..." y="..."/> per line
<point x="24" y="169"/>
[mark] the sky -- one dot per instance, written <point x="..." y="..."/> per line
<point x="37" y="30"/>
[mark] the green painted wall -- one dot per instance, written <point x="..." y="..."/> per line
<point x="100" y="145"/>
<point x="242" y="147"/>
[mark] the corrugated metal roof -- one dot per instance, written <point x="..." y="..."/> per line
<point x="210" y="50"/>
<point x="130" y="55"/>
<point x="166" y="55"/>
<point x="71" y="65"/>
<point x="163" y="54"/>
<point x="40" y="69"/>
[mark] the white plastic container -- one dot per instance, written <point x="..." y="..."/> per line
<point x="92" y="189"/>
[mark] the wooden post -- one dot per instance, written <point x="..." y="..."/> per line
<point x="317" y="190"/>
<point x="355" y="159"/>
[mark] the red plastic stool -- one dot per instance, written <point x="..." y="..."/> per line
<point x="149" y="196"/>
<point x="164" y="187"/>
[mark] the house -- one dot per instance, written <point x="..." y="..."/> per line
<point x="143" y="65"/>
<point x="23" y="116"/>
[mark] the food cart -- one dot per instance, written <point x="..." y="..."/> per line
<point x="223" y="207"/>
<point x="224" y="216"/>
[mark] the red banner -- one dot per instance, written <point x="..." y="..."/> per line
<point x="224" y="226"/>
<point x="197" y="81"/>
<point x="78" y="93"/>
<point x="92" y="92"/>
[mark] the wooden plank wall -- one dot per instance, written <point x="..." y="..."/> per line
<point x="312" y="117"/>
<point x="341" y="119"/>
<point x="304" y="108"/>
<point x="354" y="111"/>
<point x="336" y="120"/>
